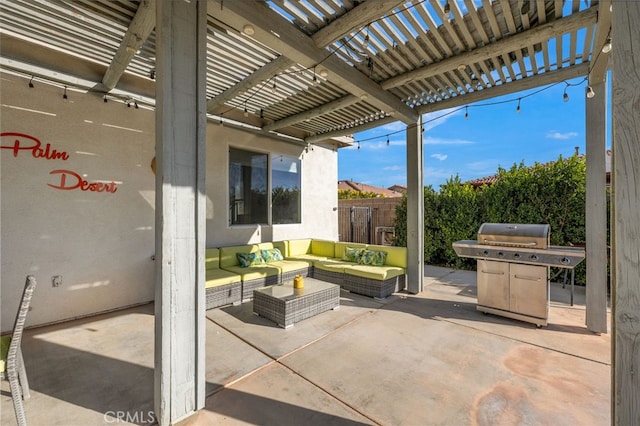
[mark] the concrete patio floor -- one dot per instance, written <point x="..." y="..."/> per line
<point x="427" y="359"/>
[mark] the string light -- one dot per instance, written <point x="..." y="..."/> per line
<point x="135" y="104"/>
<point x="518" y="107"/>
<point x="64" y="94"/>
<point x="358" y="146"/>
<point x="607" y="45"/>
<point x="246" y="113"/>
<point x="387" y="140"/>
<point x="565" y="95"/>
<point x="105" y="99"/>
<point x="31" y="82"/>
<point x="447" y="7"/>
<point x="590" y="92"/>
<point x="466" y="112"/>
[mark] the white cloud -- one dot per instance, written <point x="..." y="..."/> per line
<point x="434" y="119"/>
<point x="393" y="168"/>
<point x="429" y="140"/>
<point x="396" y="126"/>
<point x="440" y="157"/>
<point x="557" y="135"/>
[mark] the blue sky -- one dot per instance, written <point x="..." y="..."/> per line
<point x="492" y="136"/>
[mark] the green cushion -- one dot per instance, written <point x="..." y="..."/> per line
<point x="228" y="254"/>
<point x="339" y="248"/>
<point x="374" y="272"/>
<point x="396" y="256"/>
<point x="254" y="272"/>
<point x="212" y="258"/>
<point x="250" y="259"/>
<point x="371" y="257"/>
<point x="4" y="352"/>
<point x="322" y="248"/>
<point x="218" y="277"/>
<point x="291" y="264"/>
<point x="332" y="265"/>
<point x="298" y="247"/>
<point x="271" y="255"/>
<point x="353" y="254"/>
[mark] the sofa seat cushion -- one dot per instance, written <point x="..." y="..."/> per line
<point x="289" y="265"/>
<point x="306" y="258"/>
<point x="374" y="272"/>
<point x="218" y="277"/>
<point x="255" y="272"/>
<point x="331" y="265"/>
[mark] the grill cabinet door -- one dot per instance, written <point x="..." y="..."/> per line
<point x="493" y="284"/>
<point x="529" y="295"/>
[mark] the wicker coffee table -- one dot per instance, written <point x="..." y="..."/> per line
<point x="285" y="305"/>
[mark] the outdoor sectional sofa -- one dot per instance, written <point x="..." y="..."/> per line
<point x="337" y="262"/>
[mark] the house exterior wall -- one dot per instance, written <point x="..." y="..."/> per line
<point x="100" y="238"/>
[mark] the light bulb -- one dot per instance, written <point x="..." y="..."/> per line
<point x="590" y="92"/>
<point x="607" y="46"/>
<point x="565" y="97"/>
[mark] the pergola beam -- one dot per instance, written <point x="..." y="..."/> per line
<point x="543" y="79"/>
<point x="139" y="30"/>
<point x="506" y="45"/>
<point x="356" y="18"/>
<point x="312" y="113"/>
<point x="600" y="59"/>
<point x="276" y="32"/>
<point x="343" y="132"/>
<point x="266" y="72"/>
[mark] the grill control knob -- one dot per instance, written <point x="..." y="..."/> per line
<point x="486" y="252"/>
<point x="516" y="255"/>
<point x="534" y="257"/>
<point x="565" y="261"/>
<point x="500" y="254"/>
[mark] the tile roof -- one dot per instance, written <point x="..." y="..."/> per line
<point x="363" y="187"/>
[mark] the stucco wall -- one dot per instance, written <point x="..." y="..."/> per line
<point x="102" y="243"/>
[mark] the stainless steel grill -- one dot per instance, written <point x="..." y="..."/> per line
<point x="513" y="268"/>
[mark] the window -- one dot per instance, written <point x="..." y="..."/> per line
<point x="251" y="192"/>
<point x="247" y="187"/>
<point x="285" y="190"/>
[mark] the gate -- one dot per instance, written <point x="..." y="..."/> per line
<point x="354" y="224"/>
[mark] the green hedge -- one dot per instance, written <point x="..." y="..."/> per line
<point x="552" y="193"/>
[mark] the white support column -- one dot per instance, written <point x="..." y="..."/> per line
<point x="415" y="208"/>
<point x="179" y="376"/>
<point x="626" y="214"/>
<point x="596" y="209"/>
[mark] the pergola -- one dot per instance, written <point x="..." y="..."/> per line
<point x="314" y="71"/>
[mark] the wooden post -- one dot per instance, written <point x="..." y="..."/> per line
<point x="596" y="209"/>
<point x="415" y="208"/>
<point x="626" y="213"/>
<point x="179" y="376"/>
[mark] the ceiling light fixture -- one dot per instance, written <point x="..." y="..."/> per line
<point x="607" y="46"/>
<point x="248" y="30"/>
<point x="324" y="73"/>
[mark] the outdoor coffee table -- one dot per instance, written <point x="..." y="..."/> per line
<point x="285" y="305"/>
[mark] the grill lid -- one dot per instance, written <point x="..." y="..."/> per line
<point x="514" y="235"/>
